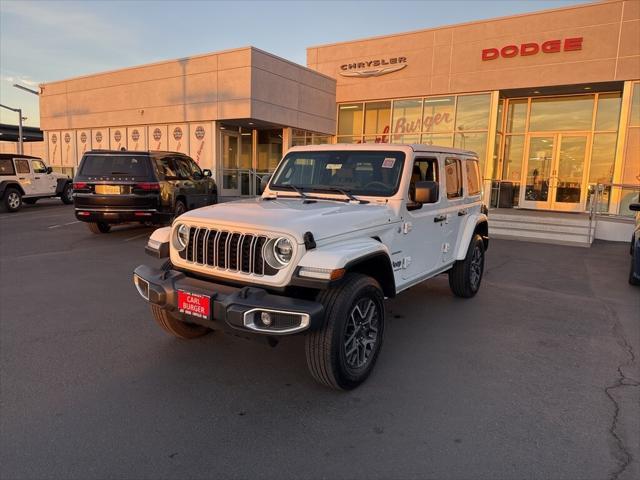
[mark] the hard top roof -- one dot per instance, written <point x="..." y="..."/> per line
<point x="5" y="156"/>
<point x="387" y="146"/>
<point x="133" y="152"/>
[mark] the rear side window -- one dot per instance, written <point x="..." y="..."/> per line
<point x="453" y="174"/>
<point x="473" y="177"/>
<point x="6" y="167"/>
<point x="22" y="166"/>
<point x="115" y="166"/>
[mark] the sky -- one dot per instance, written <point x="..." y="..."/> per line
<point x="43" y="41"/>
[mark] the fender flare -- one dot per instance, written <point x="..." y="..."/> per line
<point x="463" y="245"/>
<point x="60" y="185"/>
<point x="357" y="255"/>
<point x="10" y="183"/>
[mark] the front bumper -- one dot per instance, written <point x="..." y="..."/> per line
<point x="235" y="307"/>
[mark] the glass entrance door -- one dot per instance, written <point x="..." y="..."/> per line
<point x="554" y="173"/>
<point x="230" y="163"/>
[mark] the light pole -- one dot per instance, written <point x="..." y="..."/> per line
<point x="26" y="89"/>
<point x="19" y="111"/>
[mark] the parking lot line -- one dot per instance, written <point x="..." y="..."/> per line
<point x="145" y="234"/>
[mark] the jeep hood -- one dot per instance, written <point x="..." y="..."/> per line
<point x="323" y="218"/>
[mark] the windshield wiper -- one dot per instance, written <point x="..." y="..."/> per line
<point x="295" y="188"/>
<point x="344" y="192"/>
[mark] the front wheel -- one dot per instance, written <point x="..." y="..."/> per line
<point x="12" y="199"/>
<point x="67" y="194"/>
<point x="99" y="227"/>
<point x="172" y="324"/>
<point x="466" y="275"/>
<point x="342" y="353"/>
<point x="632" y="278"/>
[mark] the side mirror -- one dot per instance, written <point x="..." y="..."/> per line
<point x="49" y="170"/>
<point x="206" y="172"/>
<point x="427" y="192"/>
<point x="264" y="181"/>
<point x="635" y="207"/>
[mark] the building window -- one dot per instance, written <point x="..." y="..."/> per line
<point x="561" y="113"/>
<point x="304" y="137"/>
<point x="376" y="121"/>
<point x="350" y="119"/>
<point x="631" y="167"/>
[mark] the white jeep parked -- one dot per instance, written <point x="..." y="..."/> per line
<point x="338" y="229"/>
<point x="25" y="179"/>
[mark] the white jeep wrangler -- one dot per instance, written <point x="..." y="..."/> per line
<point x="338" y="229"/>
<point x="25" y="179"/>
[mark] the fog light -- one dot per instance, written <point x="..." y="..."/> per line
<point x="265" y="318"/>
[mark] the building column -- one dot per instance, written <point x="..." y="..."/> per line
<point x="618" y="165"/>
<point x="287" y="139"/>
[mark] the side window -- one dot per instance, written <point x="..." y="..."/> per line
<point x="473" y="177"/>
<point x="424" y="169"/>
<point x="38" y="166"/>
<point x="165" y="168"/>
<point x="181" y="168"/>
<point x="6" y="167"/>
<point x="193" y="166"/>
<point x="22" y="166"/>
<point x="453" y="175"/>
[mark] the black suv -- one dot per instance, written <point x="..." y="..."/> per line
<point x="114" y="187"/>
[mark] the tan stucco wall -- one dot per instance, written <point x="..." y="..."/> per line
<point x="448" y="60"/>
<point x="35" y="149"/>
<point x="235" y="84"/>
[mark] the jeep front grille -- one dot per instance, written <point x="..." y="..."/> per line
<point x="224" y="250"/>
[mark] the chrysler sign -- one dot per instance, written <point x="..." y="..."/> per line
<point x="373" y="68"/>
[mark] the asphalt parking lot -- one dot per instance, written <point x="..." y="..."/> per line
<point x="536" y="377"/>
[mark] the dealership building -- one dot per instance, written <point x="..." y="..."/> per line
<point x="549" y="100"/>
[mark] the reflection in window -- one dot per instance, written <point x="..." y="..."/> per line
<point x="376" y="119"/>
<point x="406" y="116"/>
<point x="513" y="154"/>
<point x="438" y="114"/>
<point x="608" y="115"/>
<point x="517" y="115"/>
<point x="603" y="154"/>
<point x="473" y="112"/>
<point x="634" y="121"/>
<point x="476" y="142"/>
<point x="473" y="177"/>
<point x="444" y="140"/>
<point x="561" y="113"/>
<point x="350" y="119"/>
<point x="269" y="150"/>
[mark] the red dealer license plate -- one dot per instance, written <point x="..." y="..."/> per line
<point x="194" y="304"/>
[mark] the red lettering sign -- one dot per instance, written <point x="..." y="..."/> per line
<point x="532" y="48"/>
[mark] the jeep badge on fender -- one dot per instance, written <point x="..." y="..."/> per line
<point x="338" y="229"/>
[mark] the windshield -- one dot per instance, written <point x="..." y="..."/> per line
<point x="359" y="172"/>
<point x="115" y="165"/>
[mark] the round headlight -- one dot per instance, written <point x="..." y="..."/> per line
<point x="283" y="250"/>
<point x="182" y="237"/>
<point x="278" y="252"/>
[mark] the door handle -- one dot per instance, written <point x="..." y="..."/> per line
<point x="440" y="218"/>
<point x="36" y="178"/>
<point x="462" y="213"/>
<point x="21" y="178"/>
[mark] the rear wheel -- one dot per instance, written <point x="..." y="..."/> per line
<point x="171" y="324"/>
<point x="67" y="194"/>
<point x="180" y="208"/>
<point x="12" y="199"/>
<point x="466" y="275"/>
<point x="99" y="227"/>
<point x="343" y="352"/>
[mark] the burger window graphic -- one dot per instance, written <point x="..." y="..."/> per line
<point x="99" y="137"/>
<point x="54" y="138"/>
<point x="67" y="138"/>
<point x="200" y="132"/>
<point x="157" y="134"/>
<point x="135" y="135"/>
<point x="83" y="137"/>
<point x="117" y="136"/>
<point x="177" y="134"/>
